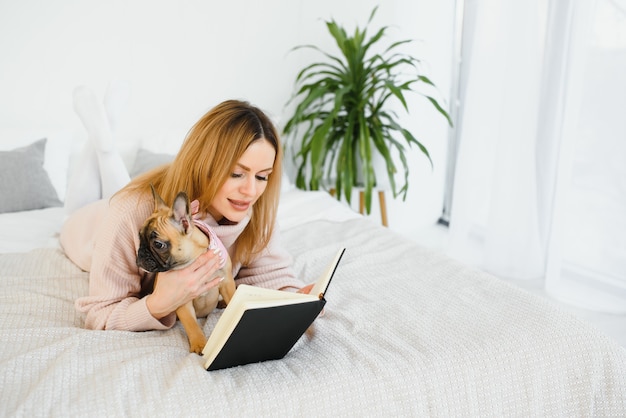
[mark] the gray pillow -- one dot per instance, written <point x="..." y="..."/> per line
<point x="24" y="183"/>
<point x="147" y="160"/>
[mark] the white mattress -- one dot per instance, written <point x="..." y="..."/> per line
<point x="407" y="332"/>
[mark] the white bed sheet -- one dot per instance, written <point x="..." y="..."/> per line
<point x="298" y="207"/>
<point x="25" y="231"/>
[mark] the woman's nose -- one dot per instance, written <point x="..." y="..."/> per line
<point x="249" y="186"/>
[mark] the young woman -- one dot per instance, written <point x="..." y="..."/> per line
<point x="230" y="163"/>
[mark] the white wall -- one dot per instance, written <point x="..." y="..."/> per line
<point x="183" y="57"/>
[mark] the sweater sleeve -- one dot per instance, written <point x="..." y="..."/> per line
<point x="117" y="288"/>
<point x="272" y="268"/>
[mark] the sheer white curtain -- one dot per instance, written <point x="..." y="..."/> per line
<point x="539" y="189"/>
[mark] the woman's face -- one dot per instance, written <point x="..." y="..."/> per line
<point x="245" y="184"/>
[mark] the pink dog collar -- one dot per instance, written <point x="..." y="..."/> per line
<point x="214" y="241"/>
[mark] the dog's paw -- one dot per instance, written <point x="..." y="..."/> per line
<point x="197" y="346"/>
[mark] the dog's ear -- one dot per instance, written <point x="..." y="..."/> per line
<point x="158" y="201"/>
<point x="180" y="211"/>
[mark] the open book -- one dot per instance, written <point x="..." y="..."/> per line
<point x="264" y="324"/>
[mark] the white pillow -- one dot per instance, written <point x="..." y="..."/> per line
<point x="56" y="158"/>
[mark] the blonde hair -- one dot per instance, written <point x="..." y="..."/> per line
<point x="205" y="161"/>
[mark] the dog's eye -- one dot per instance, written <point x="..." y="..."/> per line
<point x="160" y="245"/>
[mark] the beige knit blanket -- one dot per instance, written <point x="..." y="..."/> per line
<point x="406" y="332"/>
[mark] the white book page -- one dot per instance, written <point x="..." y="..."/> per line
<point x="322" y="283"/>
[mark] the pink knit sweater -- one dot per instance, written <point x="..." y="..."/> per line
<point x="103" y="239"/>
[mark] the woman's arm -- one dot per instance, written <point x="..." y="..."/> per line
<point x="121" y="296"/>
<point x="117" y="288"/>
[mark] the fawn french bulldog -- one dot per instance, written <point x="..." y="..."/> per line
<point x="170" y="239"/>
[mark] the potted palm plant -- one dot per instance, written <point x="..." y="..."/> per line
<point x="343" y="115"/>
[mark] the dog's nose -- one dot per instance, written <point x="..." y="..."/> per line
<point x="146" y="261"/>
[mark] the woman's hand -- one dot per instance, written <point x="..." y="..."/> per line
<point x="306" y="289"/>
<point x="175" y="288"/>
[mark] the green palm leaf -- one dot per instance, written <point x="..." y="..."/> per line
<point x="341" y="118"/>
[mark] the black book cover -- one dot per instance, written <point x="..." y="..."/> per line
<point x="267" y="333"/>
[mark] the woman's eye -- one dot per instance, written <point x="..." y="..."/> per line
<point x="258" y="176"/>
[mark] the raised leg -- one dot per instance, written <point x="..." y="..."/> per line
<point x="101" y="171"/>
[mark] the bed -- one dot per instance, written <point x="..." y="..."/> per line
<point x="407" y="331"/>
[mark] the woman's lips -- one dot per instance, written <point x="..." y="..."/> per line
<point x="240" y="205"/>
